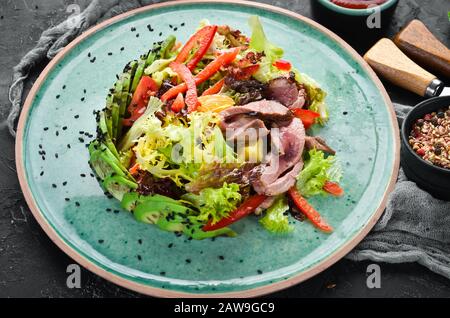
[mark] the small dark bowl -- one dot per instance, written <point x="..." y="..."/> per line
<point x="351" y="24"/>
<point x="434" y="179"/>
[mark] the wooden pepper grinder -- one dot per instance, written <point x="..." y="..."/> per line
<point x="390" y="62"/>
<point x="416" y="41"/>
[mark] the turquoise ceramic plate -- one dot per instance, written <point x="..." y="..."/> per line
<point x="69" y="204"/>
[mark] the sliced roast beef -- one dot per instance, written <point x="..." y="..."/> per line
<point x="240" y="124"/>
<point x="283" y="90"/>
<point x="286" y="153"/>
<point x="318" y="143"/>
<point x="301" y="99"/>
<point x="285" y="182"/>
<point x="287" y="91"/>
<point x="264" y="109"/>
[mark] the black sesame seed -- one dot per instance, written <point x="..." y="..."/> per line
<point x="175" y="28"/>
<point x="45" y="128"/>
<point x="221" y="257"/>
<point x="162" y="273"/>
<point x="76" y="116"/>
<point x="57" y="96"/>
<point x="93" y="60"/>
<point x="53" y="185"/>
<point x="64" y="183"/>
<point x="140" y="241"/>
<point x="170" y="245"/>
<point x="109" y="53"/>
<point x="133" y="29"/>
<point x="160" y="33"/>
<point x="43" y="157"/>
<point x="57" y="133"/>
<point x="122" y="48"/>
<point x="139" y="257"/>
<point x="345" y="113"/>
<point x="67" y="199"/>
<point x="64" y="128"/>
<point x="68" y="146"/>
<point x="84" y="91"/>
<point x="82" y="99"/>
<point x="77" y="203"/>
<point x="182" y="24"/>
<point x="81" y="139"/>
<point x="42" y="173"/>
<point x="241" y="261"/>
<point x="82" y="175"/>
<point x="56" y="155"/>
<point x="116" y="211"/>
<point x="188" y="261"/>
<point x="64" y="87"/>
<point x="108" y="210"/>
<point x="89" y="54"/>
<point x="101" y="241"/>
<point x="259" y="271"/>
<point x="170" y="26"/>
<point x="40" y="146"/>
<point x="137" y="35"/>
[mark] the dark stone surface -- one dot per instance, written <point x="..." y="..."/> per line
<point x="32" y="266"/>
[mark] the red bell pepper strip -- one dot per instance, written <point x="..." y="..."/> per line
<point x="282" y="65"/>
<point x="186" y="75"/>
<point x="333" y="188"/>
<point x="307" y="116"/>
<point x="309" y="211"/>
<point x="204" y="38"/>
<point x="134" y="169"/>
<point x="242" y="211"/>
<point x="178" y="103"/>
<point x="146" y="87"/>
<point x="210" y="69"/>
<point x="215" y="88"/>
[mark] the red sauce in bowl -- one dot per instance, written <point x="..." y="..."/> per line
<point x="357" y="4"/>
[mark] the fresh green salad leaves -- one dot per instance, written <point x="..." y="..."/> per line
<point x="260" y="43"/>
<point x="215" y="204"/>
<point x="276" y="219"/>
<point x="316" y="172"/>
<point x="178" y="150"/>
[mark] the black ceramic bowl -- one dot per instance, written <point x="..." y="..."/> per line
<point x="434" y="179"/>
<point x="352" y="24"/>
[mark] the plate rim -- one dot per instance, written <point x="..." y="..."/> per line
<point x="159" y="292"/>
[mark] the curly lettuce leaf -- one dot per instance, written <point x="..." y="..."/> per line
<point x="147" y="121"/>
<point x="215" y="204"/>
<point x="178" y="150"/>
<point x="316" y="172"/>
<point x="276" y="219"/>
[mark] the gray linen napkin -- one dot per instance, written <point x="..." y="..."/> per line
<point x="415" y="227"/>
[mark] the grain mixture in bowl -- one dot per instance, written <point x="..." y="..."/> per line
<point x="430" y="137"/>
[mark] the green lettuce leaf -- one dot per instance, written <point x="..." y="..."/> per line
<point x="316" y="172"/>
<point x="213" y="203"/>
<point x="260" y="43"/>
<point x="148" y="120"/>
<point x="276" y="219"/>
